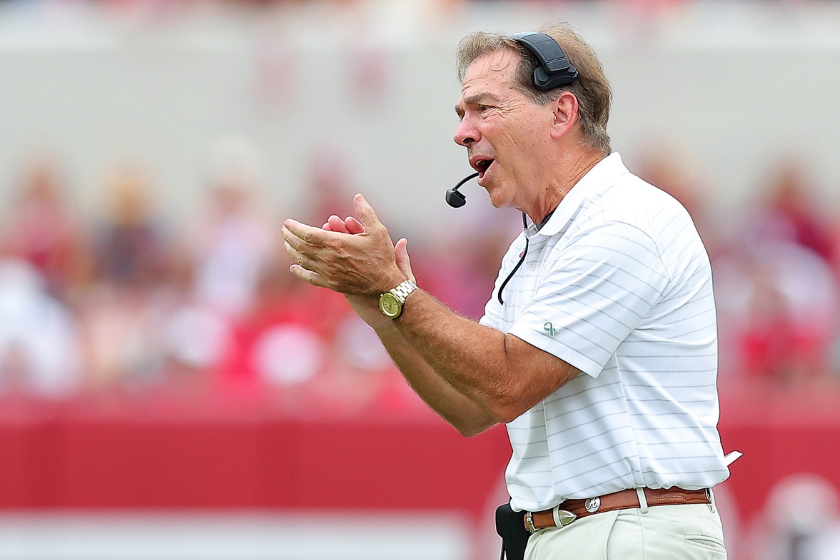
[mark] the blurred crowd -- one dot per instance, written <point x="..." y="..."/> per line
<point x="128" y="304"/>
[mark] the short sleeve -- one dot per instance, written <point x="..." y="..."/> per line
<point x="593" y="291"/>
<point x="492" y="313"/>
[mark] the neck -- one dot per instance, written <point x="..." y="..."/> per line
<point x="567" y="174"/>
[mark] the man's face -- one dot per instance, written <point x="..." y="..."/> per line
<point x="505" y="133"/>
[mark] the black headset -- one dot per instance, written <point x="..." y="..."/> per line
<point x="554" y="70"/>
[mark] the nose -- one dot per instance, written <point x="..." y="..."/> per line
<point x="466" y="133"/>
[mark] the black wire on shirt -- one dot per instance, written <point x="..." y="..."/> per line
<point x="525" y="252"/>
<point x="521" y="260"/>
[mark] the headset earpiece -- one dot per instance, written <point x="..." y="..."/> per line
<point x="555" y="70"/>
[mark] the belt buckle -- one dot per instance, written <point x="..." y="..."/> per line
<point x="562" y="517"/>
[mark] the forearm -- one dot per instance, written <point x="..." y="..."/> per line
<point x="503" y="374"/>
<point x="467" y="416"/>
<point x="497" y="372"/>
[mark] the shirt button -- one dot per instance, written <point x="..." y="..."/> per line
<point x="533" y="266"/>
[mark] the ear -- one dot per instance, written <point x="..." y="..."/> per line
<point x="565" y="109"/>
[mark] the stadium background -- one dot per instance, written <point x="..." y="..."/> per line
<point x="168" y="391"/>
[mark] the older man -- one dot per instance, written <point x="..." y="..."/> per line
<point x="598" y="347"/>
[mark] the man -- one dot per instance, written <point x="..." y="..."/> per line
<point x="598" y="347"/>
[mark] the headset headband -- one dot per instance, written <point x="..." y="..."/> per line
<point x="555" y="70"/>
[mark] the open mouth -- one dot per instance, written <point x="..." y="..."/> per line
<point x="481" y="165"/>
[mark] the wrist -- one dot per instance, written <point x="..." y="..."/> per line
<point x="385" y="327"/>
<point x="391" y="303"/>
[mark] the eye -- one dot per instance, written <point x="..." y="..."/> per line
<point x="484" y="109"/>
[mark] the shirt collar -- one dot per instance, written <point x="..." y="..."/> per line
<point x="597" y="180"/>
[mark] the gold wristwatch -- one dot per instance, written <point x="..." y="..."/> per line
<point x="391" y="302"/>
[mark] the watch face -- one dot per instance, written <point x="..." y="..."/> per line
<point x="390" y="305"/>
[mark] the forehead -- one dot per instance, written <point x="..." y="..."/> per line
<point x="494" y="70"/>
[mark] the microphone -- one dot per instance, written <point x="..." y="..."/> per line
<point x="456" y="199"/>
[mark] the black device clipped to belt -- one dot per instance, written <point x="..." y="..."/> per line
<point x="510" y="525"/>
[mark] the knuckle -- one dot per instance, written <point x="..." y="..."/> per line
<point x="342" y="252"/>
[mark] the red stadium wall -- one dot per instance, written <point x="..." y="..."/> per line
<point x="69" y="457"/>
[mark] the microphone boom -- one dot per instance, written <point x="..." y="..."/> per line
<point x="454" y="197"/>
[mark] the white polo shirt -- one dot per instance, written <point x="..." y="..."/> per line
<point x="618" y="284"/>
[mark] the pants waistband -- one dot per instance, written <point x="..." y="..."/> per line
<point x="569" y="510"/>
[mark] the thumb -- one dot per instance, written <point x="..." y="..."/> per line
<point x="365" y="212"/>
<point x="403" y="262"/>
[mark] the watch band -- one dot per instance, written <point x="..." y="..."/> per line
<point x="401" y="292"/>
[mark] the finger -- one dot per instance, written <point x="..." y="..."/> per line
<point x="403" y="262"/>
<point x="304" y="260"/>
<point x="312" y="277"/>
<point x="307" y="248"/>
<point x="294" y="245"/>
<point x="297" y="257"/>
<point x="337" y="224"/>
<point x="353" y="225"/>
<point x="311" y="235"/>
<point x="365" y="212"/>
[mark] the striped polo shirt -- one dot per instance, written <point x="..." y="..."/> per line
<point x="618" y="284"/>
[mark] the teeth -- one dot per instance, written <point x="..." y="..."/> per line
<point x="482" y="164"/>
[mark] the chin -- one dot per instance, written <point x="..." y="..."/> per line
<point x="499" y="198"/>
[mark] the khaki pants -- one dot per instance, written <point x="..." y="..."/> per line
<point x="679" y="532"/>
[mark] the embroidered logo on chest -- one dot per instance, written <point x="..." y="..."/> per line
<point x="549" y="328"/>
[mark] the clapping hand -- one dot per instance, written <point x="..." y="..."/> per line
<point x="353" y="256"/>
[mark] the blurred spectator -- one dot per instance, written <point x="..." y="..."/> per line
<point x="196" y="336"/>
<point x="807" y="532"/>
<point x="129" y="243"/>
<point x="359" y="372"/>
<point x="158" y="336"/>
<point x="283" y="341"/>
<point x="121" y="327"/>
<point x="123" y="338"/>
<point x="776" y="292"/>
<point x="39" y="352"/>
<point x="40" y="228"/>
<point x="792" y="213"/>
<point x="777" y="305"/>
<point x="231" y="242"/>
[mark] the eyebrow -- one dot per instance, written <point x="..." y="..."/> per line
<point x="475" y="99"/>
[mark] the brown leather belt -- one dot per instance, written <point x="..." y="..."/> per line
<point x="570" y="510"/>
